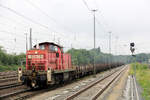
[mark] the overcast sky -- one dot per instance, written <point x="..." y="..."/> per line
<point x="71" y="23"/>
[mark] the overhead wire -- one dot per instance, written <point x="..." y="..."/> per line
<point x="98" y="22"/>
<point x="21" y="15"/>
<point x="27" y="18"/>
<point x="104" y="20"/>
<point x="7" y="44"/>
<point x="12" y="26"/>
<point x="85" y="3"/>
<point x="12" y="40"/>
<point x="49" y="17"/>
<point x="43" y="12"/>
<point x="24" y="17"/>
<point x="10" y="33"/>
<point x="14" y="21"/>
<point x="21" y="37"/>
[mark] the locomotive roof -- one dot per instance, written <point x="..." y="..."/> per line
<point x="52" y="43"/>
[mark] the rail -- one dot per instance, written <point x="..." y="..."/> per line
<point x="93" y="84"/>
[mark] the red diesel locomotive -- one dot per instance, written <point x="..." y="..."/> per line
<point x="46" y="64"/>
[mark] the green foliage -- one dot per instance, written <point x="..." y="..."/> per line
<point x="143" y="78"/>
<point x="80" y="57"/>
<point x="85" y="57"/>
<point x="139" y="66"/>
<point x="10" y="61"/>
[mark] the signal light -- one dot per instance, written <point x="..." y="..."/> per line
<point x="132" y="48"/>
<point x="19" y="69"/>
<point x="132" y="44"/>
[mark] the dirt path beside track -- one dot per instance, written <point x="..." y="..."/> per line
<point x="115" y="91"/>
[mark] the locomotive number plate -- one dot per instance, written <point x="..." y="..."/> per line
<point x="35" y="56"/>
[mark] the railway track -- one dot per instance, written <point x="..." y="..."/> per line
<point x="10" y="85"/>
<point x="6" y="77"/>
<point x="67" y="91"/>
<point x="25" y="93"/>
<point x="14" y="90"/>
<point x="11" y="89"/>
<point x="20" y="92"/>
<point x="8" y="73"/>
<point x="94" y="90"/>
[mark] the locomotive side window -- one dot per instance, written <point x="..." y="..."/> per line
<point x="56" y="49"/>
<point x="42" y="47"/>
<point x="51" y="48"/>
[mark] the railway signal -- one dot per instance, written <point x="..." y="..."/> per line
<point x="132" y="48"/>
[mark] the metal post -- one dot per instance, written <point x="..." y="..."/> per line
<point x="134" y="56"/>
<point x="30" y="38"/>
<point x="94" y="29"/>
<point x="26" y="41"/>
<point x="94" y="72"/>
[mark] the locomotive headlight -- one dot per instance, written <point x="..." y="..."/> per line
<point x="29" y="56"/>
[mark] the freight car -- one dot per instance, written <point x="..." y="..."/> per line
<point x="47" y="64"/>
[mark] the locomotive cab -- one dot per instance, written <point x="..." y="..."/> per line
<point x="38" y="58"/>
<point x="42" y="62"/>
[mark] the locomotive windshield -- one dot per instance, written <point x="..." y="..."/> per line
<point x="42" y="47"/>
<point x="53" y="48"/>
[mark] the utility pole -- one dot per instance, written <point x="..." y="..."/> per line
<point x="26" y="41"/>
<point x="94" y="72"/>
<point x="30" y="38"/>
<point x="116" y="49"/>
<point x="94" y="25"/>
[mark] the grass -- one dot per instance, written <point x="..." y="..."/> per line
<point x="143" y="78"/>
<point x="9" y="68"/>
